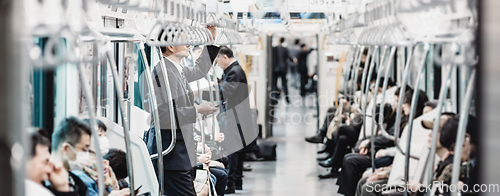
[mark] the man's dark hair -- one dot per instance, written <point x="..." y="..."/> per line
<point x="381" y="84"/>
<point x="408" y="88"/>
<point x="282" y="40"/>
<point x="432" y="104"/>
<point x="118" y="162"/>
<point x="422" y="98"/>
<point x="302" y="45"/>
<point x="162" y="31"/>
<point x="448" y="134"/>
<point x="100" y="124"/>
<point x="38" y="139"/>
<point x="224" y="50"/>
<point x="70" y="130"/>
<point x="365" y="51"/>
<point x="297" y="41"/>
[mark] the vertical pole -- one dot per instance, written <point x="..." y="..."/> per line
<point x="462" y="124"/>
<point x="156" y="117"/>
<point x="126" y="129"/>
<point x="269" y="102"/>
<point x="13" y="96"/>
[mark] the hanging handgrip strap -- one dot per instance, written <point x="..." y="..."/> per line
<point x="93" y="126"/>
<point x="156" y="118"/>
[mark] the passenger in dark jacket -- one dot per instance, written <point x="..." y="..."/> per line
<point x="303" y="69"/>
<point x="237" y="127"/>
<point x="179" y="163"/>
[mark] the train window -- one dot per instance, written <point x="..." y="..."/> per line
<point x="140" y="85"/>
<point x="107" y="103"/>
<point x="42" y="94"/>
<point x="429" y="75"/>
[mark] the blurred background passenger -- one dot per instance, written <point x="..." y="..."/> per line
<point x="38" y="166"/>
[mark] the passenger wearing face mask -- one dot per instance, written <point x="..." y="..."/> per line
<point x="89" y="174"/>
<point x="70" y="147"/>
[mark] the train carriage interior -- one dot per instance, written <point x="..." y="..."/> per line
<point x="249" y="97"/>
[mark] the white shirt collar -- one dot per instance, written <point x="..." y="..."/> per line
<point x="232" y="62"/>
<point x="177" y="65"/>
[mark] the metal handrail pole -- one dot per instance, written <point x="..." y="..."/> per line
<point x="462" y="125"/>
<point x="126" y="129"/>
<point x="87" y="93"/>
<point x="156" y="117"/>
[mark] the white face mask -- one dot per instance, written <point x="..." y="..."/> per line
<point x="104" y="145"/>
<point x="82" y="158"/>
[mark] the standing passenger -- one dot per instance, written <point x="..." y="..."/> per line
<point x="234" y="91"/>
<point x="179" y="163"/>
<point x="280" y="67"/>
<point x="294" y="52"/>
<point x="303" y="68"/>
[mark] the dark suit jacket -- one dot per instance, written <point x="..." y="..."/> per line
<point x="280" y="59"/>
<point x="302" y="61"/>
<point x="240" y="128"/>
<point x="183" y="156"/>
<point x="234" y="85"/>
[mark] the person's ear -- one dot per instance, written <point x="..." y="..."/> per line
<point x="170" y="48"/>
<point x="65" y="148"/>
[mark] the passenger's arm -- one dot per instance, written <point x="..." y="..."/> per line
<point x="58" y="178"/>
<point x="200" y="68"/>
<point x="289" y="57"/>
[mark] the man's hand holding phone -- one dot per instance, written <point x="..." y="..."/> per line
<point x="206" y="108"/>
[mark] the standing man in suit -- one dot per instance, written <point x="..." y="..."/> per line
<point x="179" y="163"/>
<point x="280" y="67"/>
<point x="303" y="69"/>
<point x="238" y="127"/>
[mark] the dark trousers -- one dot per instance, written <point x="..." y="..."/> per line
<point x="222" y="177"/>
<point x="303" y="82"/>
<point x="328" y="118"/>
<point x="284" y="83"/>
<point x="178" y="183"/>
<point x="352" y="169"/>
<point x="235" y="170"/>
<point x="346" y="136"/>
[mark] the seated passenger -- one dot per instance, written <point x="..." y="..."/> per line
<point x="320" y="136"/>
<point x="444" y="170"/>
<point x="38" y="166"/>
<point x="366" y="184"/>
<point x="118" y="162"/>
<point x="89" y="174"/>
<point x="70" y="147"/>
<point x="347" y="135"/>
<point x="355" y="164"/>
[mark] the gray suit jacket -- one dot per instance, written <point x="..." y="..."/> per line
<point x="183" y="156"/>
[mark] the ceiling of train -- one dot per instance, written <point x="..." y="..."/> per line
<point x="339" y="19"/>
